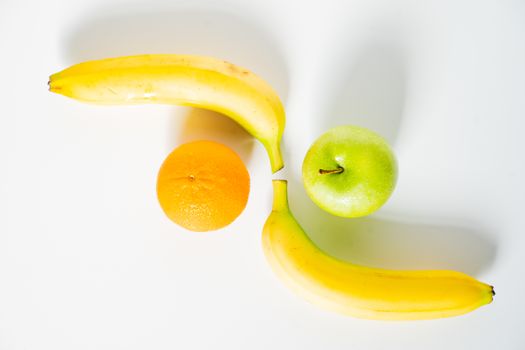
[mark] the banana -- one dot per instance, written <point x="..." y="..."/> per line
<point x="360" y="291"/>
<point x="196" y="81"/>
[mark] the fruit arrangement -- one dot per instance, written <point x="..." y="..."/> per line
<point x="349" y="171"/>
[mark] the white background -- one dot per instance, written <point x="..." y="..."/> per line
<point x="89" y="261"/>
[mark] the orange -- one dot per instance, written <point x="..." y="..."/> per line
<point x="203" y="186"/>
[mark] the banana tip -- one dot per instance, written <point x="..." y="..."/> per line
<point x="52" y="87"/>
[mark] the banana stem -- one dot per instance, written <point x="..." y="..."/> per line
<point x="276" y="158"/>
<point x="280" y="195"/>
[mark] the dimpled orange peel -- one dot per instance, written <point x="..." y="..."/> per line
<point x="203" y="186"/>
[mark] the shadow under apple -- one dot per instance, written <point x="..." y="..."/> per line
<point x="370" y="91"/>
<point x="404" y="243"/>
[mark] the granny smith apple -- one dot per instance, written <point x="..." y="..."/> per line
<point x="349" y="171"/>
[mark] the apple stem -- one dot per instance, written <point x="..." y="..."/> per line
<point x="333" y="171"/>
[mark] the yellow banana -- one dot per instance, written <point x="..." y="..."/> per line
<point x="362" y="291"/>
<point x="196" y="81"/>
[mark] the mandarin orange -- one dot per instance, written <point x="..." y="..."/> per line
<point x="203" y="186"/>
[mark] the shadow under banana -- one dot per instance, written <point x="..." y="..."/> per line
<point x="316" y="265"/>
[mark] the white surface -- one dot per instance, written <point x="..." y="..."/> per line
<point x="87" y="259"/>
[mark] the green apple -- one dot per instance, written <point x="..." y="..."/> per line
<point x="349" y="171"/>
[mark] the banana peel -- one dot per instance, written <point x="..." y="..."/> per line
<point x="360" y="291"/>
<point x="195" y="81"/>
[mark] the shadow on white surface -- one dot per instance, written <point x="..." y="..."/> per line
<point x="413" y="243"/>
<point x="371" y="91"/>
<point x="202" y="124"/>
<point x="111" y="32"/>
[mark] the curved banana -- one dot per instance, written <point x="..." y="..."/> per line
<point x="196" y="81"/>
<point x="362" y="291"/>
